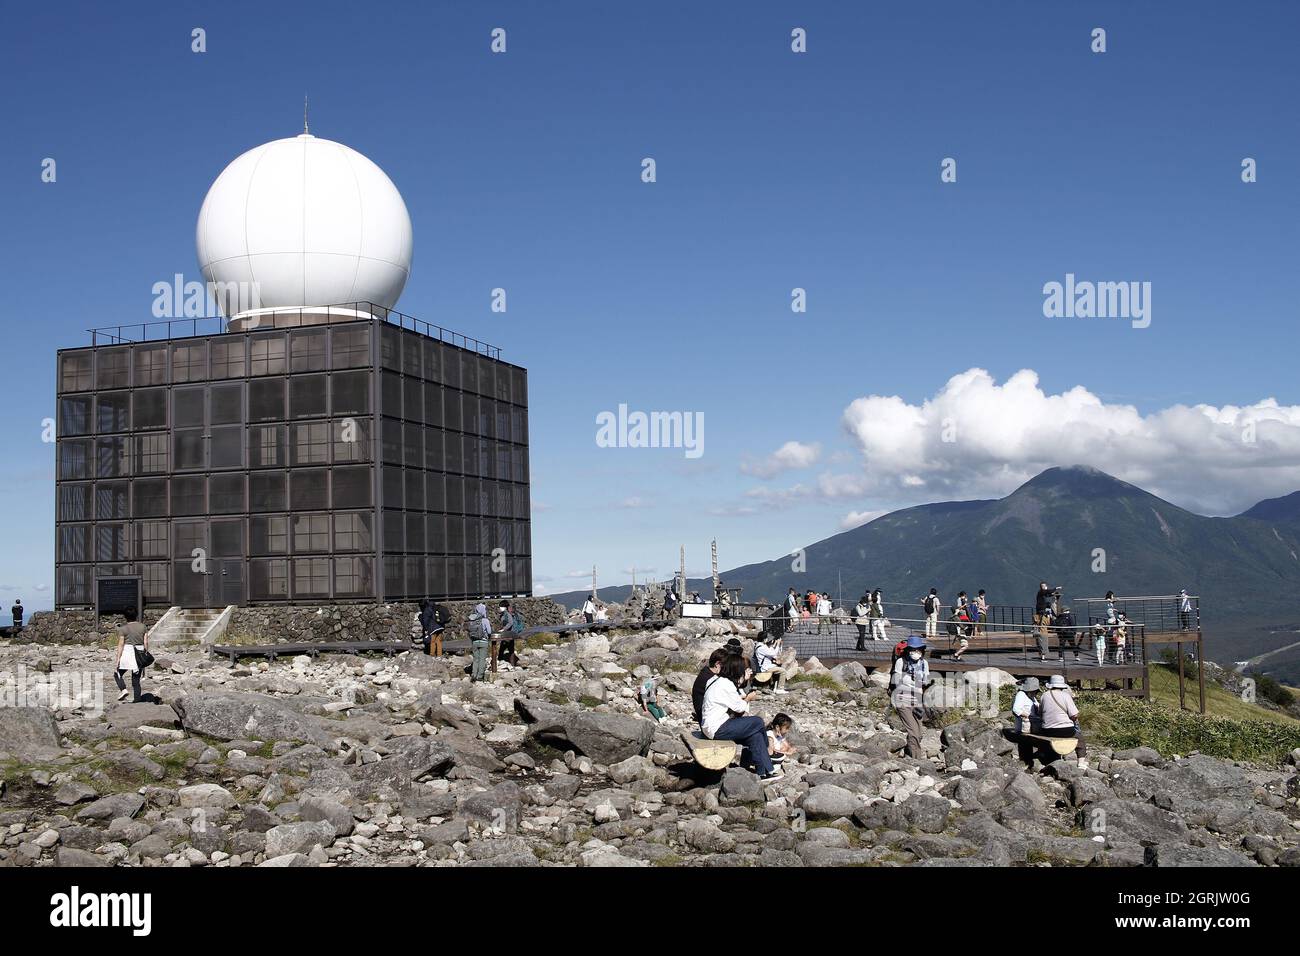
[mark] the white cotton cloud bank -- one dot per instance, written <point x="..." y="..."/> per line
<point x="791" y="456"/>
<point x="976" y="438"/>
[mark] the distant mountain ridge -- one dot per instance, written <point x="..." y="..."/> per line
<point x="1246" y="568"/>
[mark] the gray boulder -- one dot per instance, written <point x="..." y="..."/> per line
<point x="290" y="838"/>
<point x="247" y="716"/>
<point x="113" y="806"/>
<point x="28" y="733"/>
<point x="829" y="802"/>
<point x="605" y="738"/>
<point x="313" y="808"/>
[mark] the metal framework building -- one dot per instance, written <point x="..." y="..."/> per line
<point x="374" y="459"/>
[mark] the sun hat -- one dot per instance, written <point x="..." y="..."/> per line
<point x="1057" y="682"/>
<point x="916" y="641"/>
<point x="1029" y="684"/>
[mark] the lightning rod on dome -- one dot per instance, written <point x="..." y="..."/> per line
<point x="304" y="115"/>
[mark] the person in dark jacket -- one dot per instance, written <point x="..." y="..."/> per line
<point x="17" y="612"/>
<point x="701" y="681"/>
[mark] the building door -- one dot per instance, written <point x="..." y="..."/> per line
<point x="226" y="582"/>
<point x="191" y="564"/>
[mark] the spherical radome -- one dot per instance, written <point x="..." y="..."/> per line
<point x="305" y="222"/>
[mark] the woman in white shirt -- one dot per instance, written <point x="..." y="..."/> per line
<point x="725" y="716"/>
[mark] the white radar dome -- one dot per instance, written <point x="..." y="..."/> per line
<point x="303" y="222"/>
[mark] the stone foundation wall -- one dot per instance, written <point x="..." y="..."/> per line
<point x="75" y="627"/>
<point x="363" y="622"/>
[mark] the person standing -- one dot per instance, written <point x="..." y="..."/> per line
<point x="480" y="637"/>
<point x="982" y="611"/>
<point x="1060" y="715"/>
<point x="1043" y="617"/>
<point x="511" y="625"/>
<point x="1184" y="610"/>
<point x="876" y="612"/>
<point x="17" y="612"/>
<point x="908" y="681"/>
<point x="131" y="640"/>
<point x="861" y="617"/>
<point x="823" y="614"/>
<point x="589" y="610"/>
<point x="791" y="610"/>
<point x="930" y="606"/>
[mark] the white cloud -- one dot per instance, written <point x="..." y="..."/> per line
<point x="635" y="501"/>
<point x="855" y="518"/>
<point x="791" y="456"/>
<point x="976" y="438"/>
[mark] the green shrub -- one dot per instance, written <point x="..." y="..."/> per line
<point x="1123" y="723"/>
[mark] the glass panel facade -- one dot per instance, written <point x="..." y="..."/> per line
<point x="359" y="461"/>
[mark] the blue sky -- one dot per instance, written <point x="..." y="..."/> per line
<point x="775" y="170"/>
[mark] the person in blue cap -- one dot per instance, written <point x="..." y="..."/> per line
<point x="908" y="682"/>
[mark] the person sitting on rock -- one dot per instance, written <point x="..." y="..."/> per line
<point x="767" y="654"/>
<point x="726" y="717"/>
<point x="1025" y="706"/>
<point x="1060" y="715"/>
<point x="908" y="682"/>
<point x="778" y="738"/>
<point x="708" y="672"/>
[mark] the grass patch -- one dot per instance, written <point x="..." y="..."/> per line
<point x="848" y="831"/>
<point x="1124" y="722"/>
<point x="822" y="681"/>
<point x="1219" y="702"/>
<point x="670" y="859"/>
<point x="590" y="701"/>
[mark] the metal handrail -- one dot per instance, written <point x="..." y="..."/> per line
<point x="117" y="334"/>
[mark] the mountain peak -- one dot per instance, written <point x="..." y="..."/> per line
<point x="1083" y="481"/>
<point x="1285" y="508"/>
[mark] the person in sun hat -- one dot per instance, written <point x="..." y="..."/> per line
<point x="1060" y="715"/>
<point x="1025" y="706"/>
<point x="910" y="678"/>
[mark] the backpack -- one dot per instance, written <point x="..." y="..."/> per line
<point x="516" y="622"/>
<point x="443" y="615"/>
<point x="952" y="627"/>
<point x="899" y="650"/>
<point x="929" y="604"/>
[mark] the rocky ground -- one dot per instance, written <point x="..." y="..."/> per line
<point x="347" y="761"/>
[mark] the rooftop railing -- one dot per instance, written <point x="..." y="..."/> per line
<point x="162" y="330"/>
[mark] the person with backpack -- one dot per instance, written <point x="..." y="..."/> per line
<point x="908" y="680"/>
<point x="1067" y="635"/>
<point x="861" y="617"/>
<point x="1060" y="715"/>
<point x="480" y="637"/>
<point x="16" y="612"/>
<point x="930" y="607"/>
<point x="726" y="716"/>
<point x="441" y="619"/>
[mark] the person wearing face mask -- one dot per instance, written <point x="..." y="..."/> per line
<point x="910" y="678"/>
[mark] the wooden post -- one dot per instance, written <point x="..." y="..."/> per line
<point x="715" y="568"/>
<point x="682" y="592"/>
<point x="593" y="582"/>
<point x="1181" y="689"/>
<point x="1200" y="662"/>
